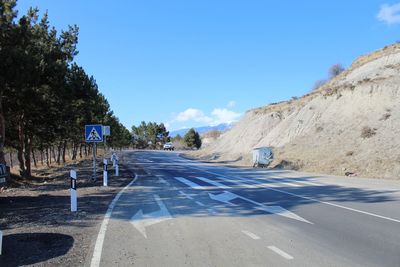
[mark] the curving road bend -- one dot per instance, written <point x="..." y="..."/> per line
<point x="189" y="213"/>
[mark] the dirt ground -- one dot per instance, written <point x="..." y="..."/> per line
<point x="38" y="227"/>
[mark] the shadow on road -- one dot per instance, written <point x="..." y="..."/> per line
<point x="34" y="248"/>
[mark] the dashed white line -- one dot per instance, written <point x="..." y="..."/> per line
<point x="251" y="235"/>
<point x="199" y="203"/>
<point x="281" y="252"/>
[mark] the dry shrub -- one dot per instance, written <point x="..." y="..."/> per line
<point x="367" y="132"/>
<point x="319" y="129"/>
<point x="385" y="117"/>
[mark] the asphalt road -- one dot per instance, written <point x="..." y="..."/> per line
<point x="188" y="213"/>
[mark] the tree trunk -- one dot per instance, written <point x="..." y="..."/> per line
<point x="41" y="156"/>
<point x="11" y="160"/>
<point x="20" y="154"/>
<point x="2" y="129"/>
<point x="34" y="158"/>
<point x="48" y="158"/>
<point x="80" y="151"/>
<point x="74" y="151"/>
<point x="63" y="151"/>
<point x="53" y="151"/>
<point x="59" y="147"/>
<point x="28" y="148"/>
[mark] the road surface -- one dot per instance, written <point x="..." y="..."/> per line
<point x="189" y="213"/>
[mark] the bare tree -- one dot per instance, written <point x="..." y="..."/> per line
<point x="335" y="70"/>
<point x="318" y="84"/>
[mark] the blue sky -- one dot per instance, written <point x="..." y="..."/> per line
<point x="194" y="63"/>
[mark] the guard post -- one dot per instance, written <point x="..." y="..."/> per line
<point x="74" y="195"/>
<point x="105" y="173"/>
<point x="4" y="174"/>
<point x="117" y="167"/>
<point x="113" y="158"/>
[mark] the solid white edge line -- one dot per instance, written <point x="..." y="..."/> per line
<point x="96" y="258"/>
<point x="251" y="235"/>
<point x="281" y="252"/>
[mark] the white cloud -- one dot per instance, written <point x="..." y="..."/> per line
<point x="231" y="104"/>
<point x="190" y="115"/>
<point x="389" y="13"/>
<point x="223" y="115"/>
<point x="193" y="114"/>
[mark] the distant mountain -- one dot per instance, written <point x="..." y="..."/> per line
<point x="204" y="129"/>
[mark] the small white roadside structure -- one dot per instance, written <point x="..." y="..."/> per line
<point x="262" y="157"/>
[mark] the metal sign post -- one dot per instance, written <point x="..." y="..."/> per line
<point x="94" y="134"/>
<point x="94" y="162"/>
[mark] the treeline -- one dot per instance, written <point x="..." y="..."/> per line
<point x="149" y="135"/>
<point x="46" y="98"/>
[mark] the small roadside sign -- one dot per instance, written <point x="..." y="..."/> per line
<point x="94" y="133"/>
<point x="106" y="131"/>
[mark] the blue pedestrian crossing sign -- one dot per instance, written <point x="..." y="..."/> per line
<point x="94" y="133"/>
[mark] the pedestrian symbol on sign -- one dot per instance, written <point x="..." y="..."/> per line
<point x="94" y="133"/>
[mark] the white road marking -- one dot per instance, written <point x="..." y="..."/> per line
<point x="211" y="210"/>
<point x="281" y="252"/>
<point x="189" y="183"/>
<point x="103" y="228"/>
<point x="186" y="195"/>
<point x="199" y="203"/>
<point x="224" y="197"/>
<point x="227" y="196"/>
<point x="140" y="221"/>
<point x="267" y="186"/>
<point x="212" y="182"/>
<point x="309" y="183"/>
<point x="162" y="180"/>
<point x="251" y="235"/>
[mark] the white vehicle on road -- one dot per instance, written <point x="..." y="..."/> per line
<point x="169" y="146"/>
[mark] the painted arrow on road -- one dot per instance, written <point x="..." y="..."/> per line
<point x="227" y="196"/>
<point x="140" y="221"/>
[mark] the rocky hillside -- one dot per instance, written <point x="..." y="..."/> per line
<point x="351" y="124"/>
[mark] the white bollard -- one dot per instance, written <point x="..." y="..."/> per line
<point x="116" y="168"/>
<point x="105" y="174"/>
<point x="113" y="158"/>
<point x="74" y="195"/>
